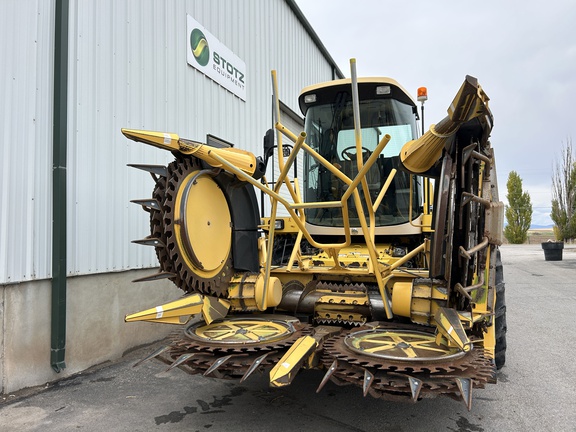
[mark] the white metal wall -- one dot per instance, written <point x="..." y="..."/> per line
<point x="26" y="53"/>
<point x="295" y="124"/>
<point x="127" y="69"/>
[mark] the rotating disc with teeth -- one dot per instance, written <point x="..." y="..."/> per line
<point x="191" y="227"/>
<point x="235" y="346"/>
<point x="197" y="225"/>
<point x="392" y="362"/>
<point x="157" y="232"/>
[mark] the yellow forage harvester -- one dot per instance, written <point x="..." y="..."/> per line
<point x="386" y="272"/>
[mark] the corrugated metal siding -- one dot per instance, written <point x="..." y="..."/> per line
<point x="128" y="69"/>
<point x="26" y="32"/>
<point x="273" y="169"/>
<point x="118" y="80"/>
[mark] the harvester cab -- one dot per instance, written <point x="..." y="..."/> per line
<point x="385" y="108"/>
<point x="372" y="277"/>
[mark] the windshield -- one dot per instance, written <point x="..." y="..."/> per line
<point x="330" y="131"/>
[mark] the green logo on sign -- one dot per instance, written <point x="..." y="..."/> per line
<point x="199" y="46"/>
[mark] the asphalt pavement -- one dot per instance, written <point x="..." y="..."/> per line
<point x="536" y="389"/>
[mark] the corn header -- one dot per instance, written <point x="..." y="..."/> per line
<point x="384" y="270"/>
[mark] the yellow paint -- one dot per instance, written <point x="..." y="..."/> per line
<point x="449" y="325"/>
<point x="246" y="292"/>
<point x="400" y="344"/>
<point x="243" y="330"/>
<point x="175" y="312"/>
<point x="402" y="299"/>
<point x="348" y="81"/>
<point x="214" y="308"/>
<point x="244" y="160"/>
<point x="206" y="241"/>
<point x="419" y="155"/>
<point x="286" y="369"/>
<point x="163" y="140"/>
<point x="241" y="159"/>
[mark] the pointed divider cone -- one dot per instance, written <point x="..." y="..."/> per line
<point x="171" y="313"/>
<point x="182" y="359"/>
<point x="287" y="368"/>
<point x="465" y="387"/>
<point x="450" y="326"/>
<point x="152" y="355"/>
<point x="329" y="373"/>
<point x="368" y="380"/>
<point x="163" y="140"/>
<point x="257" y="362"/>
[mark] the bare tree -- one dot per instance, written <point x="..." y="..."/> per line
<point x="564" y="194"/>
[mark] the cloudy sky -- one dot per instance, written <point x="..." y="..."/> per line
<point x="522" y="52"/>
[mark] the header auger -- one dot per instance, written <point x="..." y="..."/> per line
<point x="386" y="273"/>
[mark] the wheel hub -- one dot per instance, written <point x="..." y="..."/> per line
<point x="410" y="346"/>
<point x="241" y="331"/>
<point x="203" y="227"/>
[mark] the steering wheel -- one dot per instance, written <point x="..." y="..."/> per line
<point x="346" y="154"/>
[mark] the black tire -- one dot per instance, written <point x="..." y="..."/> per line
<point x="500" y="313"/>
<point x="157" y="231"/>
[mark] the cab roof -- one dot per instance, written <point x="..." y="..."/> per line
<point x="326" y="92"/>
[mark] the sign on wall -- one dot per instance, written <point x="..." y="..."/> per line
<point x="214" y="59"/>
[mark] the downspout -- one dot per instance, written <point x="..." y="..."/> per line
<point x="59" y="147"/>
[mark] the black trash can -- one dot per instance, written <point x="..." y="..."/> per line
<point x="553" y="250"/>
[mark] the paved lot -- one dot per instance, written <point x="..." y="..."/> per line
<point x="536" y="389"/>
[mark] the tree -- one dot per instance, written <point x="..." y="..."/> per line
<point x="564" y="194"/>
<point x="518" y="212"/>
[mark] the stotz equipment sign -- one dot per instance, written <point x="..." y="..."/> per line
<point x="214" y="59"/>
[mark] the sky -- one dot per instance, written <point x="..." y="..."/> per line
<point x="522" y="52"/>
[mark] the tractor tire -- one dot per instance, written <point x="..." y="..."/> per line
<point x="500" y="313"/>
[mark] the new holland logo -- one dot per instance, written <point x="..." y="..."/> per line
<point x="200" y="48"/>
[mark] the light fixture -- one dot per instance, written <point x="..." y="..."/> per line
<point x="310" y="98"/>
<point x="383" y="90"/>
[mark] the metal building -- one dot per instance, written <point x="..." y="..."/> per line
<point x="73" y="74"/>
